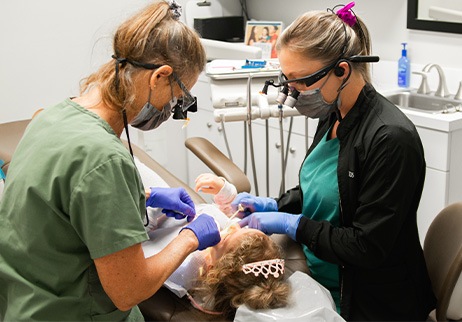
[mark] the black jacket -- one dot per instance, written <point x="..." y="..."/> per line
<point x="381" y="172"/>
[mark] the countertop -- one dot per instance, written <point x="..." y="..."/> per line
<point x="384" y="79"/>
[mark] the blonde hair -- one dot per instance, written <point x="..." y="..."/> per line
<point x="152" y="36"/>
<point x="225" y="286"/>
<point x="322" y="35"/>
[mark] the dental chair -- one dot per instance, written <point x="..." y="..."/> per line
<point x="443" y="254"/>
<point x="218" y="162"/>
<point x="164" y="305"/>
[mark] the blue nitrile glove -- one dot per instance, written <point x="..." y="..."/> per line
<point x="175" y="202"/>
<point x="273" y="223"/>
<point x="253" y="204"/>
<point x="206" y="230"/>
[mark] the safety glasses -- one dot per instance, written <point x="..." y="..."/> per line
<point x="187" y="100"/>
<point x="185" y="103"/>
<point x="310" y="79"/>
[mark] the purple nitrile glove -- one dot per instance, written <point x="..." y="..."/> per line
<point x="206" y="230"/>
<point x="253" y="204"/>
<point x="273" y="223"/>
<point x="175" y="202"/>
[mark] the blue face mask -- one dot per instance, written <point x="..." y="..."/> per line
<point x="150" y="117"/>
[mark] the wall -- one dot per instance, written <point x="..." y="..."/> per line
<point x="386" y="21"/>
<point x="48" y="46"/>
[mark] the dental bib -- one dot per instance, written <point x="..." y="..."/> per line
<point x="308" y="301"/>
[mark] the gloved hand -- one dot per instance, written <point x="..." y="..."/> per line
<point x="175" y="202"/>
<point x="273" y="223"/>
<point x="206" y="230"/>
<point x="253" y="204"/>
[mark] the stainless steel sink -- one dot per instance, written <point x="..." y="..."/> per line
<point x="425" y="103"/>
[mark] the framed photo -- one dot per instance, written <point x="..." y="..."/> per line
<point x="264" y="35"/>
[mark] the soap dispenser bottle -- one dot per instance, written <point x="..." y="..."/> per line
<point x="404" y="68"/>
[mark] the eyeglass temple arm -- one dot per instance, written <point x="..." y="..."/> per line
<point x="363" y="59"/>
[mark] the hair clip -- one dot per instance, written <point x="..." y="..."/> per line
<point x="274" y="267"/>
<point x="175" y="8"/>
<point x="120" y="60"/>
<point x="347" y="15"/>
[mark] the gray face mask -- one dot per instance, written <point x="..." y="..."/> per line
<point x="150" y="117"/>
<point x="311" y="103"/>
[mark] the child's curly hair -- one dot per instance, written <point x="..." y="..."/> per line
<point x="225" y="286"/>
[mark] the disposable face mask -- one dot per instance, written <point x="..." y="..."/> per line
<point x="150" y="117"/>
<point x="311" y="103"/>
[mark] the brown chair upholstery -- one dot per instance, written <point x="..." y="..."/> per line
<point x="164" y="305"/>
<point x="443" y="254"/>
<point x="217" y="162"/>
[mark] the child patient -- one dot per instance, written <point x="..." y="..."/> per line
<point x="246" y="267"/>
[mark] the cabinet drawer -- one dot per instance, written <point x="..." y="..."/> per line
<point x="433" y="199"/>
<point x="436" y="147"/>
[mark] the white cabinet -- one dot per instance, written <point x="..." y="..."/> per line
<point x="296" y="153"/>
<point x="433" y="199"/>
<point x="443" y="180"/>
<point x="165" y="145"/>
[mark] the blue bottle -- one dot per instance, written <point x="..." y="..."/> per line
<point x="404" y="68"/>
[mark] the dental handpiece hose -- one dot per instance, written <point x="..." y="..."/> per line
<point x="281" y="133"/>
<point x="282" y="189"/>
<point x="249" y="124"/>
<point x="288" y="100"/>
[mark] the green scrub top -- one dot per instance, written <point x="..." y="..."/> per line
<point x="72" y="194"/>
<point x="319" y="184"/>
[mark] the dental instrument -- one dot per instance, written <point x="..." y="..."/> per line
<point x="240" y="208"/>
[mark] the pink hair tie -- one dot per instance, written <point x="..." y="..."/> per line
<point x="347" y="15"/>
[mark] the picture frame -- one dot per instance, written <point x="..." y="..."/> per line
<point x="264" y="35"/>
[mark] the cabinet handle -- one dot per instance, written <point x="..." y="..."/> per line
<point x="209" y="125"/>
<point x="292" y="150"/>
<point x="219" y="128"/>
<point x="277" y="145"/>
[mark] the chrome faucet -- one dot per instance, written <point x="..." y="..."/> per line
<point x="423" y="88"/>
<point x="442" y="90"/>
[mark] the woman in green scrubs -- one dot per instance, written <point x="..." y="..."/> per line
<point x="74" y="208"/>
